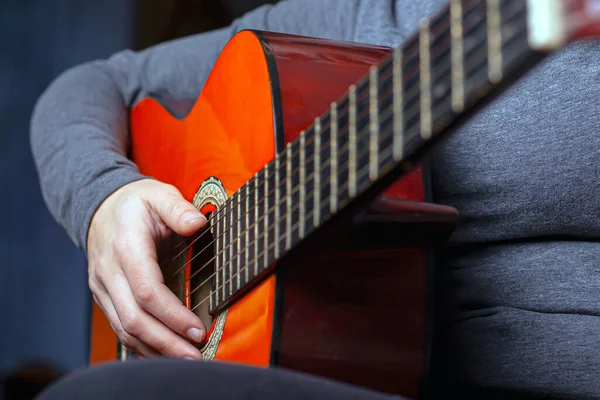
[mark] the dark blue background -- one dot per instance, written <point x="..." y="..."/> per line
<point x="44" y="300"/>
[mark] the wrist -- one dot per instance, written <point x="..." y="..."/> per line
<point x="108" y="190"/>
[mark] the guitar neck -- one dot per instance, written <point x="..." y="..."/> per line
<point x="456" y="63"/>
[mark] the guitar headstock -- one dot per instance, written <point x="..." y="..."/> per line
<point x="553" y="23"/>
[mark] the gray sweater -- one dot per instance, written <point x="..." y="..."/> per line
<point x="519" y="282"/>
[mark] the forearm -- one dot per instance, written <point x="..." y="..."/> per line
<point x="79" y="142"/>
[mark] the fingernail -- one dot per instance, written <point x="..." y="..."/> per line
<point x="195" y="334"/>
<point x="190" y="217"/>
<point x="188" y="358"/>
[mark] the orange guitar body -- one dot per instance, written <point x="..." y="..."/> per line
<point x="354" y="311"/>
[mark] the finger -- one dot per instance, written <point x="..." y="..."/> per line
<point x="126" y="339"/>
<point x="179" y="214"/>
<point x="144" y="327"/>
<point x="152" y="295"/>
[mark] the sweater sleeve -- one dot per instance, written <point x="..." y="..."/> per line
<point x="79" y="128"/>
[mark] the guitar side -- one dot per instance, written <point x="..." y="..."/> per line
<point x="360" y="310"/>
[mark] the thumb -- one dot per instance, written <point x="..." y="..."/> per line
<point x="179" y="214"/>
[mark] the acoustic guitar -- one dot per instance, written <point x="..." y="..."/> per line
<point x="318" y="255"/>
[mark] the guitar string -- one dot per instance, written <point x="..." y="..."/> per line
<point x="474" y="45"/>
<point x="474" y="25"/>
<point x="264" y="253"/>
<point x="264" y="215"/>
<point x="364" y="169"/>
<point x="238" y="193"/>
<point x="263" y="233"/>
<point x="234" y="243"/>
<point x="238" y="272"/>
<point x="257" y="240"/>
<point x="443" y="33"/>
<point x="344" y="168"/>
<point x="388" y="112"/>
<point x="243" y="197"/>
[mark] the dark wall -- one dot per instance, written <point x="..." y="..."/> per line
<point x="161" y="20"/>
<point x="44" y="300"/>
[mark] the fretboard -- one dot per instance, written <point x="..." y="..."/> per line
<point x="377" y="129"/>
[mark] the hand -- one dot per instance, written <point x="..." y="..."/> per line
<point x="124" y="275"/>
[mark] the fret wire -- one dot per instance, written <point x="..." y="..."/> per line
<point x="247" y="235"/>
<point x="373" y="124"/>
<point x="352" y="142"/>
<point x="256" y="218"/>
<point x="222" y="262"/>
<point x="333" y="159"/>
<point x="216" y="266"/>
<point x="425" y="75"/>
<point x="223" y="258"/>
<point x="231" y="240"/>
<point x="238" y="240"/>
<point x="227" y="229"/>
<point x="494" y="24"/>
<point x="224" y="255"/>
<point x="457" y="55"/>
<point x="317" y="174"/>
<point x="277" y="200"/>
<point x="397" y="52"/>
<point x="398" y="105"/>
<point x="302" y="184"/>
<point x="288" y="197"/>
<point x="266" y="213"/>
<point x="220" y="244"/>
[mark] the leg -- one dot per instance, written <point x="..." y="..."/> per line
<point x="182" y="380"/>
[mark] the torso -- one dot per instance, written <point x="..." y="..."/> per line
<point x="524" y="176"/>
